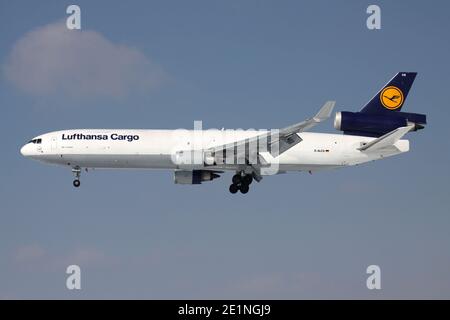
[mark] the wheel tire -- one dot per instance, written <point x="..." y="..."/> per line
<point x="248" y="179"/>
<point x="236" y="179"/>
<point x="233" y="188"/>
<point x="76" y="183"/>
<point x="244" y="188"/>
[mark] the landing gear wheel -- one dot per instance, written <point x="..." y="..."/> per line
<point x="244" y="188"/>
<point x="77" y="172"/>
<point x="247" y="179"/>
<point x="234" y="188"/>
<point x="236" y="179"/>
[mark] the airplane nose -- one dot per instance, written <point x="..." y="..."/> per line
<point x="25" y="150"/>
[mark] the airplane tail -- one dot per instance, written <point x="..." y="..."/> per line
<point x="392" y="96"/>
<point x="382" y="113"/>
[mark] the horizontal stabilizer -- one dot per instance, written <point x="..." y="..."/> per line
<point x="388" y="139"/>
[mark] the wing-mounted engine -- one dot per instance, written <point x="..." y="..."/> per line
<point x="195" y="176"/>
<point x="376" y="125"/>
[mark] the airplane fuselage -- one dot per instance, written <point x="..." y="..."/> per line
<point x="156" y="149"/>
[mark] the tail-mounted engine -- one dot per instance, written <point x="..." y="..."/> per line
<point x="376" y="125"/>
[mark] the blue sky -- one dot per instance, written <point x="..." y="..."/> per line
<point x="233" y="64"/>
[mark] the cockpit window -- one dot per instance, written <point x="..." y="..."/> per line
<point x="38" y="141"/>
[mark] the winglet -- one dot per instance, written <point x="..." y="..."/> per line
<point x="325" y="112"/>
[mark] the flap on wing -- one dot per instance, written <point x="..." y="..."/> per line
<point x="288" y="142"/>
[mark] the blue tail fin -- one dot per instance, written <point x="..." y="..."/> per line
<point x="392" y="96"/>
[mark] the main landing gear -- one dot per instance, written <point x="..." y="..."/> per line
<point x="77" y="172"/>
<point x="241" y="183"/>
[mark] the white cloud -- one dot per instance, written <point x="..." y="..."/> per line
<point x="53" y="60"/>
<point x="84" y="257"/>
<point x="37" y="255"/>
<point x="27" y="253"/>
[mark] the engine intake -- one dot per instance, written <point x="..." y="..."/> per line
<point x="194" y="176"/>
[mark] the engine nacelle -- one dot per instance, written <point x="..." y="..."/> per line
<point x="194" y="176"/>
<point x="376" y="124"/>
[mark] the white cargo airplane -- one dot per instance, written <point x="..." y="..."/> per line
<point x="196" y="156"/>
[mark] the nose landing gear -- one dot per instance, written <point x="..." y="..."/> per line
<point x="241" y="183"/>
<point x="77" y="172"/>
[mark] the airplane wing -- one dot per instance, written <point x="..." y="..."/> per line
<point x="387" y="140"/>
<point x="277" y="143"/>
<point x="284" y="138"/>
<point x="323" y="114"/>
